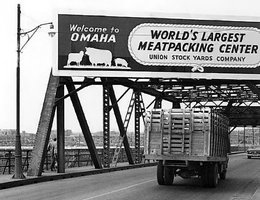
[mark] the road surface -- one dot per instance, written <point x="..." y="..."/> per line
<point x="243" y="179"/>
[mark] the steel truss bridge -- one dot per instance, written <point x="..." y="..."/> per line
<point x="237" y="99"/>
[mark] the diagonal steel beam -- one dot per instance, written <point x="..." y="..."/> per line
<point x="120" y="124"/>
<point x="83" y="124"/>
<point x="147" y="90"/>
<point x="87" y="82"/>
<point x="228" y="107"/>
<point x="44" y="128"/>
<point x="254" y="89"/>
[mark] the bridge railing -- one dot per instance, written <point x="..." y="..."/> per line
<point x="74" y="157"/>
<point x="238" y="148"/>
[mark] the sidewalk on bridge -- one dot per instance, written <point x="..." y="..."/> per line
<point x="6" y="181"/>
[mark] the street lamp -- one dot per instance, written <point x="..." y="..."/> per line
<point x="18" y="150"/>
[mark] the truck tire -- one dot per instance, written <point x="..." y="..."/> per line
<point x="213" y="175"/>
<point x="160" y="173"/>
<point x="168" y="175"/>
<point x="223" y="175"/>
<point x="204" y="176"/>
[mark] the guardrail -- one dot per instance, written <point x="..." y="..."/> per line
<point x="238" y="148"/>
<point x="74" y="157"/>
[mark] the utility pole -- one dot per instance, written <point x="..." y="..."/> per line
<point x="18" y="150"/>
<point x="18" y="170"/>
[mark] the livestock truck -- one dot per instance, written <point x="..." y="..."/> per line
<point x="188" y="143"/>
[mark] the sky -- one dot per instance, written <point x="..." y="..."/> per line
<point x="36" y="57"/>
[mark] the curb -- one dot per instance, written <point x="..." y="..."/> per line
<point x="33" y="180"/>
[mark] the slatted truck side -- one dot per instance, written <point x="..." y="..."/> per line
<point x="188" y="143"/>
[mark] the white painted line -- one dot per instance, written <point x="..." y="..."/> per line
<point x="119" y="190"/>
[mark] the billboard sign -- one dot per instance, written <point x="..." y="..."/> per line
<point x="154" y="47"/>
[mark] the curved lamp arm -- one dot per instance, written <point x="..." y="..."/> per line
<point x="33" y="31"/>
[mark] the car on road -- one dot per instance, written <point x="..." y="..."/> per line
<point x="253" y="151"/>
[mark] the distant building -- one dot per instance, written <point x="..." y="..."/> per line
<point x="68" y="132"/>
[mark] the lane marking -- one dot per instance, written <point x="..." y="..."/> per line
<point x="256" y="195"/>
<point x="119" y="190"/>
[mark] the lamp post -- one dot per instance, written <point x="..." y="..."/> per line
<point x="18" y="172"/>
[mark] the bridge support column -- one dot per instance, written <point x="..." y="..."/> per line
<point x="60" y="131"/>
<point x="137" y="127"/>
<point x="106" y="127"/>
<point x="158" y="102"/>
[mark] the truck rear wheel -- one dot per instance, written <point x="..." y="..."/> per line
<point x="213" y="175"/>
<point x="160" y="173"/>
<point x="209" y="175"/>
<point x="223" y="175"/>
<point x="204" y="175"/>
<point x="168" y="175"/>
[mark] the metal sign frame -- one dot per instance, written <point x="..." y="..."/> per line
<point x="129" y="66"/>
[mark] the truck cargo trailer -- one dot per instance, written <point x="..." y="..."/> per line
<point x="189" y="143"/>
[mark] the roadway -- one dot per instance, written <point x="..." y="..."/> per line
<point x="243" y="180"/>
